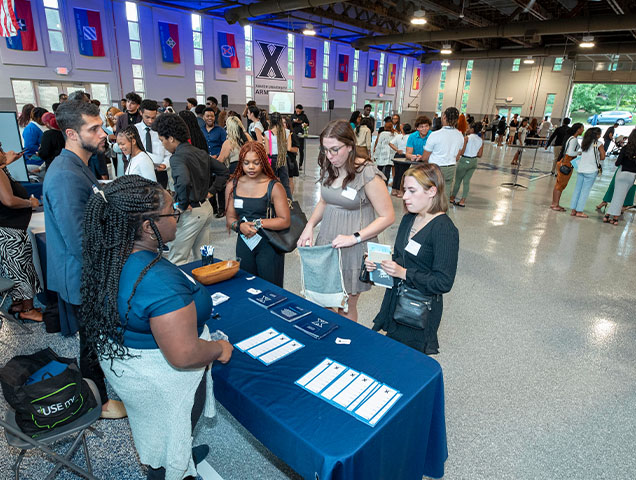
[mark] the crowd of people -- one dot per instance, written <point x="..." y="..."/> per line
<point x="130" y="195"/>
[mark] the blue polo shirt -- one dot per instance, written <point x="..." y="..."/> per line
<point x="214" y="139"/>
<point x="416" y="142"/>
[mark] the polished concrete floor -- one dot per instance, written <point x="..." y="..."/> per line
<point x="537" y="341"/>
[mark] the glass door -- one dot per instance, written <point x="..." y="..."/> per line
<point x="48" y="94"/>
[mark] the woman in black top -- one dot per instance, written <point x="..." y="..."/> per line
<point x="625" y="178"/>
<point x="501" y="131"/>
<point x="52" y="142"/>
<point x="424" y="257"/>
<point x="196" y="135"/>
<point x="16" y="253"/>
<point x="246" y="195"/>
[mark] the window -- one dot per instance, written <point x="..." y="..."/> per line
<point x="516" y="63"/>
<point x="23" y="93"/>
<point x="54" y="25"/>
<point x="197" y="42"/>
<point x="440" y="99"/>
<point x="442" y="78"/>
<point x="464" y="102"/>
<point x="249" y="83"/>
<point x="354" y="88"/>
<point x="381" y="70"/>
<point x="549" y="104"/>
<point x="558" y="64"/>
<point x="515" y="110"/>
<point x="467" y="79"/>
<point x="402" y="82"/>
<point x="135" y="48"/>
<point x="290" y="62"/>
<point x="325" y="76"/>
<point x="613" y="65"/>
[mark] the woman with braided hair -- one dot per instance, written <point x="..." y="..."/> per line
<point x="145" y="318"/>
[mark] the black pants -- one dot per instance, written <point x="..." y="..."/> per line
<point x="197" y="410"/>
<point x="89" y="365"/>
<point x="162" y="178"/>
<point x="301" y="151"/>
<point x="283" y="175"/>
<point x="400" y="170"/>
<point x="494" y="134"/>
<point x="386" y="170"/>
<point x="263" y="261"/>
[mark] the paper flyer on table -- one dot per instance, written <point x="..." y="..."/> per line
<point x="269" y="346"/>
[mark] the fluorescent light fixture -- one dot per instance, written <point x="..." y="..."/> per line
<point x="418" y="17"/>
<point x="528" y="60"/>
<point x="587" y="42"/>
<point x="309" y="30"/>
<point x="445" y="63"/>
<point x="446" y="49"/>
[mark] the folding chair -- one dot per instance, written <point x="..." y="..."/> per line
<point x="16" y="438"/>
<point x="5" y="287"/>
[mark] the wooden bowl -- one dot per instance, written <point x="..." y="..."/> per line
<point x="217" y="272"/>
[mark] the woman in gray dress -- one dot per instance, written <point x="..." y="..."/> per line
<point x="354" y="206"/>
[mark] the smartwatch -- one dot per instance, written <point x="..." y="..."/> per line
<point x="357" y="236"/>
<point x="258" y="224"/>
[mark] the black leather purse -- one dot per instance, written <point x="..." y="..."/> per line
<point x="284" y="240"/>
<point x="413" y="307"/>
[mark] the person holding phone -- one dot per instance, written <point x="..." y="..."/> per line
<point x="16" y="250"/>
<point x="417" y="140"/>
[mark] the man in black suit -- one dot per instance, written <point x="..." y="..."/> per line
<point x="132" y="115"/>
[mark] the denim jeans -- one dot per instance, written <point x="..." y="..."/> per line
<point x="584" y="182"/>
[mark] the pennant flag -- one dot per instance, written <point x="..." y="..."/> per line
<point x="373" y="73"/>
<point x="229" y="58"/>
<point x="25" y="38"/>
<point x="310" y="62"/>
<point x="8" y="23"/>
<point x="343" y="68"/>
<point x="169" y="41"/>
<point x="416" y="79"/>
<point x="89" y="32"/>
<point x="390" y="79"/>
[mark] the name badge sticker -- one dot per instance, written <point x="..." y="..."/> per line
<point x="350" y="193"/>
<point x="413" y="247"/>
<point x="238" y="203"/>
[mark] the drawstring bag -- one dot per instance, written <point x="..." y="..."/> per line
<point x="46" y="391"/>
<point x="321" y="276"/>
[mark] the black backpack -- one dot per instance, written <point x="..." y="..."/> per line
<point x="58" y="396"/>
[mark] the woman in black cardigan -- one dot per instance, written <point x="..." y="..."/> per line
<point x="424" y="257"/>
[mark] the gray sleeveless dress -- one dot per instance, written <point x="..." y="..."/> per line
<point x="344" y="216"/>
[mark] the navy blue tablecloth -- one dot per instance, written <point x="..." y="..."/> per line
<point x="34" y="189"/>
<point x="315" y="438"/>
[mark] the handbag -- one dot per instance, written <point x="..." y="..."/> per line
<point x="413" y="307"/>
<point x="565" y="169"/>
<point x="365" y="276"/>
<point x="284" y="241"/>
<point x="46" y="391"/>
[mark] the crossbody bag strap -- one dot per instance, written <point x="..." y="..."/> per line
<point x="270" y="187"/>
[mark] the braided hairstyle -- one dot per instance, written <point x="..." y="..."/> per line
<point x="112" y="223"/>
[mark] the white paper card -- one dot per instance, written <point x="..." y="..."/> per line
<point x="218" y="298"/>
<point x="343" y="341"/>
<point x="325" y="377"/>
<point x="376" y="402"/>
<point x="253" y="291"/>
<point x="349" y="193"/>
<point x="238" y="203"/>
<point x="280" y="352"/>
<point x="306" y="378"/>
<point x="413" y="247"/>
<point x="353" y="390"/>
<point x="335" y="388"/>
<point x="256" y="339"/>
<point x="275" y="342"/>
<point x="381" y="413"/>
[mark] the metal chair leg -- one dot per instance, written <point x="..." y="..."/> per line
<point x="16" y="465"/>
<point x="69" y="454"/>
<point x="88" y="458"/>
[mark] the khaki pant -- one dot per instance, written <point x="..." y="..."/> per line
<point x="449" y="177"/>
<point x="193" y="230"/>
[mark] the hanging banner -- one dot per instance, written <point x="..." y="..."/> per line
<point x="25" y="39"/>
<point x="89" y="32"/>
<point x="417" y="73"/>
<point x="227" y="48"/>
<point x="8" y="23"/>
<point x="169" y="41"/>
<point x="390" y="75"/>
<point x="373" y="73"/>
<point x="310" y="62"/>
<point x="343" y="67"/>
<point x="270" y="67"/>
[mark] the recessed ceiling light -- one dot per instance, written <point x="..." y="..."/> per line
<point x="309" y="30"/>
<point x="587" y="41"/>
<point x="418" y="17"/>
<point x="446" y="49"/>
<point x="528" y="60"/>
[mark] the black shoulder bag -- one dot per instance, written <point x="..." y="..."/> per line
<point x="413" y="307"/>
<point x="284" y="240"/>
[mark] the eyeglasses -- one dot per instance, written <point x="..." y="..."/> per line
<point x="176" y="214"/>
<point x="333" y="151"/>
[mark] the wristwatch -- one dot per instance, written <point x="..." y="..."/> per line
<point x="357" y="237"/>
<point x="258" y="224"/>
